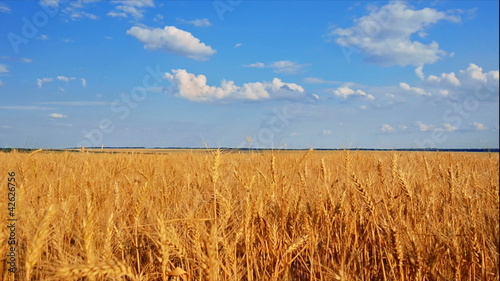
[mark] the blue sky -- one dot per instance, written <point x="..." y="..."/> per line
<point x="289" y="74"/>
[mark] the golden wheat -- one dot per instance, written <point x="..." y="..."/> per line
<point x="222" y="215"/>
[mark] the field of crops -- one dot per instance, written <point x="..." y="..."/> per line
<point x="303" y="215"/>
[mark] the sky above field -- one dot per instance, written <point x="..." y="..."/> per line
<point x="231" y="73"/>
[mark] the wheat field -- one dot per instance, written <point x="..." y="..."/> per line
<point x="276" y="215"/>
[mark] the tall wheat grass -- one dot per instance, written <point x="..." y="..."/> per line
<point x="217" y="215"/>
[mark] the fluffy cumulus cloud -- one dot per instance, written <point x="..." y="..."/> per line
<point x="448" y="127"/>
<point x="41" y="81"/>
<point x="173" y="40"/>
<point x="386" y="128"/>
<point x="57" y="116"/>
<point x="463" y="83"/>
<point x="415" y="90"/>
<point x="479" y="126"/>
<point x="385" y="35"/>
<point x="284" y="66"/>
<point x="194" y="88"/>
<point x="424" y="127"/>
<point x="130" y="8"/>
<point x="346" y="92"/>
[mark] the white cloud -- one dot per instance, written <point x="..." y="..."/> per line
<point x="362" y="93"/>
<point x="326" y="132"/>
<point x="257" y="64"/>
<point x="57" y="115"/>
<point x="43" y="37"/>
<point x="284" y="66"/>
<point x="449" y="128"/>
<point x="444" y="92"/>
<point x="77" y="15"/>
<point x="419" y="72"/>
<point x="445" y="78"/>
<point x="346" y="92"/>
<point x="41" y="81"/>
<point x="4" y="8"/>
<point x="132" y="8"/>
<point x="1" y="83"/>
<point x="457" y="84"/>
<point x="172" y="40"/>
<point x="237" y="45"/>
<point x="475" y="72"/>
<point x="386" y="128"/>
<point x="62" y="78"/>
<point x="479" y="126"/>
<point x="417" y="91"/>
<point x="65" y="79"/>
<point x="197" y="22"/>
<point x="424" y="127"/>
<point x="422" y="34"/>
<point x="385" y="35"/>
<point x="75" y="10"/>
<point x="194" y="87"/>
<point x="3" y="68"/>
<point x="72" y="9"/>
<point x="294" y="134"/>
<point x="50" y="3"/>
<point x="116" y="14"/>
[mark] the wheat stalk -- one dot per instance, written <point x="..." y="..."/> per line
<point x="38" y="241"/>
<point x="394" y="166"/>
<point x="398" y="248"/>
<point x="366" y="197"/>
<point x="380" y="171"/>
<point x="107" y="268"/>
<point x="404" y="185"/>
<point x="88" y="228"/>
